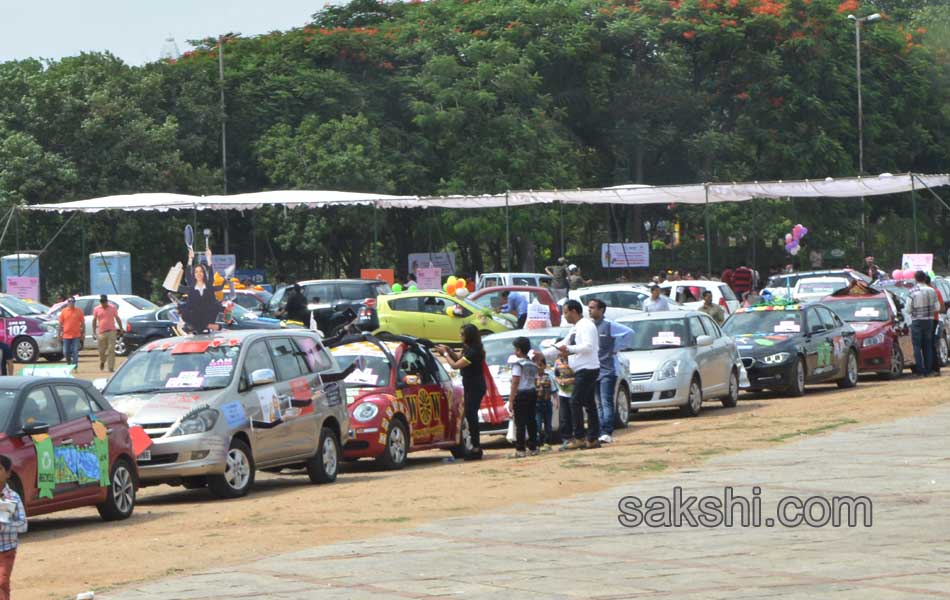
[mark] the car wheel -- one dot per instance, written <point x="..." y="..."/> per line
<point x="325" y="464"/>
<point x="120" y="500"/>
<point x="54" y="357"/>
<point x="397" y="447"/>
<point x="694" y="402"/>
<point x="622" y="408"/>
<point x="25" y="350"/>
<point x="943" y="353"/>
<point x="120" y="348"/>
<point x="465" y="448"/>
<point x="732" y="399"/>
<point x="797" y="388"/>
<point x="897" y="364"/>
<point x="238" y="474"/>
<point x="850" y="378"/>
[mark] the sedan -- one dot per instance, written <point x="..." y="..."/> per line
<point x="490" y="298"/>
<point x="883" y="337"/>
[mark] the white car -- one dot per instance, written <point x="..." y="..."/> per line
<point x="781" y="284"/>
<point x="512" y="279"/>
<point x="689" y="293"/>
<point x="816" y="288"/>
<point x="128" y="305"/>
<point x="678" y="359"/>
<point x="623" y="299"/>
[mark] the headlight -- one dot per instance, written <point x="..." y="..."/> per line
<point x="199" y="420"/>
<point x="365" y="411"/>
<point x="874" y="340"/>
<point x="668" y="370"/>
<point x="776" y="359"/>
<point x="51" y="326"/>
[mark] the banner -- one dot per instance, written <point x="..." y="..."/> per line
<point x="625" y="256"/>
<point x="429" y="278"/>
<point x="27" y="288"/>
<point x="443" y="260"/>
<point x="917" y="262"/>
<point x="386" y="275"/>
<point x="539" y="316"/>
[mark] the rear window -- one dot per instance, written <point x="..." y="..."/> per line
<point x="320" y="293"/>
<point x="727" y="293"/>
<point x="140" y="303"/>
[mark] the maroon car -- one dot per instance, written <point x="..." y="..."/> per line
<point x="490" y="297"/>
<point x="69" y="447"/>
<point x="883" y="336"/>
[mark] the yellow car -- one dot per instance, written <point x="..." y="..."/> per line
<point x="432" y="315"/>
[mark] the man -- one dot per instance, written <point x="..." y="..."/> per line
<point x="296" y="307"/>
<point x="515" y="304"/>
<point x="6" y="359"/>
<point x="610" y="337"/>
<point x="580" y="349"/>
<point x="713" y="310"/>
<point x="106" y="326"/>
<point x="742" y="281"/>
<point x="9" y="532"/>
<point x="656" y="302"/>
<point x="938" y="327"/>
<point x="872" y="270"/>
<point x="558" y="275"/>
<point x="575" y="280"/>
<point x="923" y="313"/>
<point x="72" y="330"/>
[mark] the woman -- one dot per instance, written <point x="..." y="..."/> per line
<point x="471" y="364"/>
<point x="201" y="308"/>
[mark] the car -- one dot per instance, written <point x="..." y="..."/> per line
<point x="432" y="315"/>
<point x="400" y="400"/>
<point x="677" y="359"/>
<point x="816" y="288"/>
<point x="623" y="299"/>
<point x="66" y="424"/>
<point x="220" y="406"/>
<point x="689" y="293"/>
<point x="901" y="291"/>
<point x="490" y="298"/>
<point x="330" y="300"/>
<point x="159" y="324"/>
<point x="486" y="280"/>
<point x="254" y="300"/>
<point x="942" y="285"/>
<point x="781" y="284"/>
<point x="785" y="346"/>
<point x="128" y="306"/>
<point x="882" y="333"/>
<point x="29" y="333"/>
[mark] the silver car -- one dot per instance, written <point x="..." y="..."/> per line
<point x="219" y="406"/>
<point x="678" y="359"/>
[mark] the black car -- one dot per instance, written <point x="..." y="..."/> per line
<point x="158" y="324"/>
<point x="333" y="302"/>
<point x="783" y="347"/>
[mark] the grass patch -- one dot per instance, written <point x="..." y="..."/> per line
<point x="654" y="466"/>
<point x="812" y="430"/>
<point x="711" y="451"/>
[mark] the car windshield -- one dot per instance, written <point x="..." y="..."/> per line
<point x="7" y="406"/>
<point x="239" y="313"/>
<point x="498" y="350"/>
<point x="176" y="366"/>
<point x="19" y="307"/>
<point x="825" y="288"/>
<point x="654" y="334"/>
<point x="860" y="310"/>
<point x="763" y="322"/>
<point x="900" y="291"/>
<point x="372" y="370"/>
<point x="140" y="303"/>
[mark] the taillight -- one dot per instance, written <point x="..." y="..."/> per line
<point x="128" y="327"/>
<point x="366" y="312"/>
<point x="724" y="305"/>
<point x="370" y="302"/>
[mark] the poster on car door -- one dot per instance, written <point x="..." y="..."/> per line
<point x="918" y="262"/>
<point x="27" y="288"/>
<point x="625" y="256"/>
<point x="443" y="260"/>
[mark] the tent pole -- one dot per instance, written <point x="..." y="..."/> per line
<point x="18" y="271"/>
<point x="708" y="239"/>
<point x="563" y="251"/>
<point x="913" y="200"/>
<point x="374" y="254"/>
<point x="507" y="232"/>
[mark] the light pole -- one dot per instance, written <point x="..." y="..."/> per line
<point x="857" y="46"/>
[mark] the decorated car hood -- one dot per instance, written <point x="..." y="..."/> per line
<point x="161" y="408"/>
<point x="763" y="344"/>
<point x="868" y="329"/>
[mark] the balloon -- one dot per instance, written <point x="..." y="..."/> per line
<point x="397" y="287"/>
<point x="461" y="292"/>
<point x="788" y="238"/>
<point x="909" y="273"/>
<point x="804" y="231"/>
<point x="460" y="282"/>
<point x="451" y="280"/>
<point x="932" y="274"/>
<point x="445" y="288"/>
<point x="470" y="287"/>
<point x="897" y="274"/>
<point x="412" y="287"/>
<point x="795" y="250"/>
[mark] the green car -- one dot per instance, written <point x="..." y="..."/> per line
<point x="435" y="316"/>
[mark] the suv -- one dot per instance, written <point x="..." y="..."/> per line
<point x="778" y="285"/>
<point x="217" y="407"/>
<point x="331" y="300"/>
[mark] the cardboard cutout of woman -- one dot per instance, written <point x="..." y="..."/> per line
<point x="201" y="308"/>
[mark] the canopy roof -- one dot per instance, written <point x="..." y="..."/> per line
<point x="852" y="187"/>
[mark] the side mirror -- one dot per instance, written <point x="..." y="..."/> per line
<point x="411" y="380"/>
<point x="704" y="340"/>
<point x="262" y="377"/>
<point x="100" y="383"/>
<point x="36" y="428"/>
<point x="450" y="311"/>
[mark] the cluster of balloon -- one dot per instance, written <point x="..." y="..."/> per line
<point x="398" y="287"/>
<point x="907" y="274"/>
<point x="455" y="286"/>
<point x="792" y="239"/>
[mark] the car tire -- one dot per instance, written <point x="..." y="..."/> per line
<point x="120" y="498"/>
<point x="694" y="402"/>
<point x="465" y="447"/>
<point x="850" y="378"/>
<point x="25" y="350"/>
<point x="120" y="348"/>
<point x="897" y="364"/>
<point x="731" y="399"/>
<point x="324" y="465"/>
<point x="397" y="447"/>
<point x="943" y="352"/>
<point x="238" y="476"/>
<point x="797" y="388"/>
<point x="54" y="357"/>
<point x="622" y="408"/>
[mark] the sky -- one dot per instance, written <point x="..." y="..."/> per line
<point x="135" y="30"/>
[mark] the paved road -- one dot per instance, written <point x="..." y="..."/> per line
<point x="575" y="548"/>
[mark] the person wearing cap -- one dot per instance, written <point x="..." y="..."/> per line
<point x="72" y="329"/>
<point x="574" y="279"/>
<point x="657" y="302"/>
<point x="558" y="275"/>
<point x="106" y="325"/>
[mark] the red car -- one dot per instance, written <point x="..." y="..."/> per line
<point x="400" y="400"/>
<point x="490" y="297"/>
<point x="883" y="337"/>
<point x="69" y="447"/>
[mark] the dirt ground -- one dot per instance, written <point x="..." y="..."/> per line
<point x="176" y="531"/>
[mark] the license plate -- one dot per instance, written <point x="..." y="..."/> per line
<point x="636" y="388"/>
<point x="145" y="455"/>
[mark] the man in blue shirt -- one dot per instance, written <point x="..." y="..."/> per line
<point x="611" y="337"/>
<point x="11" y="529"/>
<point x="515" y="304"/>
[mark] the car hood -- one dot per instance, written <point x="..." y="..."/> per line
<point x="764" y="344"/>
<point x="867" y="329"/>
<point x="162" y="408"/>
<point x="642" y="361"/>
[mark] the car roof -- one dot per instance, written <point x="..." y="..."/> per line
<point x="513" y="288"/>
<point x="544" y="331"/>
<point x="16" y="382"/>
<point x="612" y="287"/>
<point x="313" y="281"/>
<point x="797" y="307"/>
<point x="241" y="335"/>
<point x="822" y="280"/>
<point x="708" y="282"/>
<point x="653" y="316"/>
<point x="832" y="298"/>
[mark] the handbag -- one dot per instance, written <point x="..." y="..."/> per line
<point x="511" y="436"/>
<point x="173" y="279"/>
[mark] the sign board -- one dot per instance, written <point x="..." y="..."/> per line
<point x="917" y="262"/>
<point x="625" y="256"/>
<point x="429" y="278"/>
<point x="421" y="260"/>
<point x="256" y="276"/>
<point x="24" y="287"/>
<point x="387" y="275"/>
<point x="539" y="316"/>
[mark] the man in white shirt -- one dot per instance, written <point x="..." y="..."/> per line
<point x="657" y="302"/>
<point x="581" y="347"/>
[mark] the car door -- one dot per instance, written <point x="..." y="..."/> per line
<point x="258" y="402"/>
<point x="901" y="329"/>
<point x="404" y="316"/>
<point x="723" y="356"/>
<point x="816" y="361"/>
<point x="452" y="406"/>
<point x="705" y="358"/>
<point x="298" y="434"/>
<point x="411" y="375"/>
<point x="78" y="412"/>
<point x="834" y="335"/>
<point x="435" y="393"/>
<point x="438" y="325"/>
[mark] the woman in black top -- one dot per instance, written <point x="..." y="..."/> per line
<point x="471" y="364"/>
<point x="201" y="308"/>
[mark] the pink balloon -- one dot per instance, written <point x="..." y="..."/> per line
<point x="909" y="274"/>
<point x="897" y="274"/>
<point x="788" y="238"/>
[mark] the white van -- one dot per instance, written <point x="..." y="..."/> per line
<point x="508" y="279"/>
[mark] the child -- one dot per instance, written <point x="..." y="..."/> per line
<point x="522" y="398"/>
<point x="11" y="529"/>
<point x="544" y="408"/>
<point x="564" y="377"/>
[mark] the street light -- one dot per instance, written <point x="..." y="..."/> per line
<point x="857" y="43"/>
